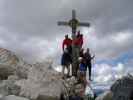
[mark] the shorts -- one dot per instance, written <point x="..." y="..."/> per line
<point x="81" y="73"/>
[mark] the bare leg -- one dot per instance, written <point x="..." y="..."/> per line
<point x="68" y="68"/>
<point x="89" y="72"/>
<point x="63" y="70"/>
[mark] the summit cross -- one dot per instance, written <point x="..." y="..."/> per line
<point x="74" y="23"/>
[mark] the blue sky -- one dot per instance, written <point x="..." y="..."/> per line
<point x="125" y="57"/>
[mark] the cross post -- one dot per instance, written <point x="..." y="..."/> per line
<point x="73" y="24"/>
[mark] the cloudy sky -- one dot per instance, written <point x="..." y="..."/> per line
<point x="29" y="28"/>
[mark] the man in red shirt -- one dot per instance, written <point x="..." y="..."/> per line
<point x="78" y="41"/>
<point x="68" y="43"/>
<point x="81" y="40"/>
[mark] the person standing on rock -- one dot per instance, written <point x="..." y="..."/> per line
<point x="79" y="39"/>
<point x="81" y="53"/>
<point x="68" y="43"/>
<point x="82" y="70"/>
<point x="77" y="44"/>
<point x="88" y="58"/>
<point x="65" y="62"/>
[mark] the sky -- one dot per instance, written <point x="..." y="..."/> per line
<point x="29" y="28"/>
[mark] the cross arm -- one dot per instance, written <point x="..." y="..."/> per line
<point x="63" y="23"/>
<point x="84" y="24"/>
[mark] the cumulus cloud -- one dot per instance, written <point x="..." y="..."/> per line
<point x="108" y="47"/>
<point x="105" y="74"/>
<point x="29" y="27"/>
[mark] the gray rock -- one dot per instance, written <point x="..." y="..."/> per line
<point x="41" y="82"/>
<point x="13" y="97"/>
<point x="10" y="64"/>
<point x="45" y="97"/>
<point x="5" y="71"/>
<point x="8" y="58"/>
<point x="123" y="88"/>
<point x="8" y="87"/>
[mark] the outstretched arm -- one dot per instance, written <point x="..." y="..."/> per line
<point x="93" y="57"/>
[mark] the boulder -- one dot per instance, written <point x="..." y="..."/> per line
<point x="22" y="70"/>
<point x="42" y="82"/>
<point x="1" y="96"/>
<point x="45" y="97"/>
<point x="13" y="97"/>
<point x="8" y="58"/>
<point x="122" y="89"/>
<point x="5" y="71"/>
<point x="10" y="64"/>
<point x="8" y="87"/>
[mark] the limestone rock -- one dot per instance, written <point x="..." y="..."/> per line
<point x="11" y="64"/>
<point x="42" y="82"/>
<point x="1" y="96"/>
<point x="123" y="88"/>
<point x="13" y="97"/>
<point x="7" y="57"/>
<point x="75" y="88"/>
<point x="8" y="87"/>
<point x="5" y="71"/>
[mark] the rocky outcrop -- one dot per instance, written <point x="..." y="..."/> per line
<point x="10" y="64"/>
<point x="8" y="87"/>
<point x="42" y="82"/>
<point x="5" y="71"/>
<point x="12" y="69"/>
<point x="122" y="89"/>
<point x="13" y="97"/>
<point x="7" y="57"/>
<point x="38" y="81"/>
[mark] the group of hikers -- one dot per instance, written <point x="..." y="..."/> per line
<point x="83" y="60"/>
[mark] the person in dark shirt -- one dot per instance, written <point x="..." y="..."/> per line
<point x="81" y="53"/>
<point x="66" y="61"/>
<point x="88" y="58"/>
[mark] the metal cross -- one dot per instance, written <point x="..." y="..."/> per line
<point x="73" y="24"/>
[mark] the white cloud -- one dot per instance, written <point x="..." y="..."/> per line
<point x="109" y="47"/>
<point x="122" y="37"/>
<point x="30" y="29"/>
<point x="102" y="73"/>
<point x="105" y="74"/>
